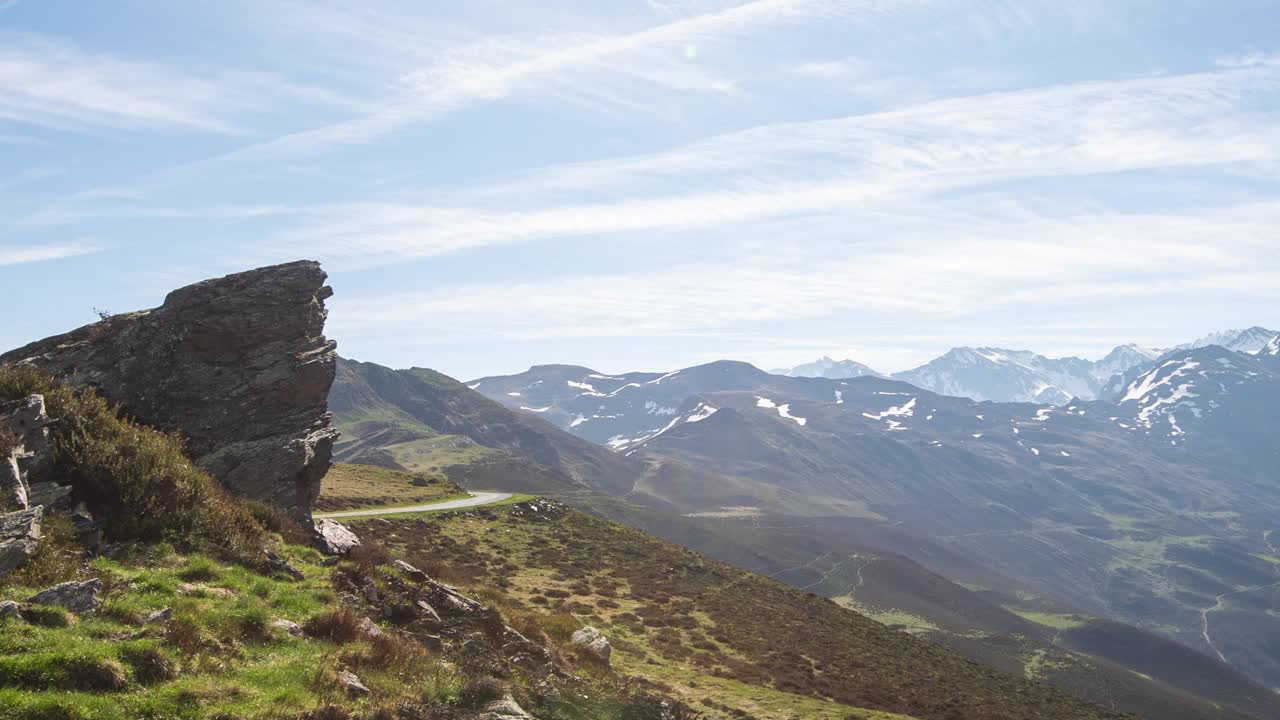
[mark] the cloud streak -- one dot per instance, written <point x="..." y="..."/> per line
<point x="23" y="255"/>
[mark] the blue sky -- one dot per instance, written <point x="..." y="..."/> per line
<point x="656" y="183"/>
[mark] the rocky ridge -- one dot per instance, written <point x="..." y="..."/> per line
<point x="238" y="365"/>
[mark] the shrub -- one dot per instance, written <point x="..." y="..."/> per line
<point x="442" y="686"/>
<point x="278" y="521"/>
<point x="150" y="664"/>
<point x="369" y="555"/>
<point x="57" y="558"/>
<point x="481" y="691"/>
<point x="338" y="625"/>
<point x="136" y="478"/>
<point x="95" y="674"/>
<point x="200" y="569"/>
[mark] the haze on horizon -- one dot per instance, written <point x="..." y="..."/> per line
<point x="650" y="185"/>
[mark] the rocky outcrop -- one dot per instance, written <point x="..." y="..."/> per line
<point x="238" y="365"/>
<point x="19" y="537"/>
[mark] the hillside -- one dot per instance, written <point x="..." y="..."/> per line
<point x="1123" y="508"/>
<point x="202" y="606"/>
<point x="731" y="643"/>
<point x="804" y="502"/>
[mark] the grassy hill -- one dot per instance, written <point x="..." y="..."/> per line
<point x="732" y="643"/>
<point x="349" y="487"/>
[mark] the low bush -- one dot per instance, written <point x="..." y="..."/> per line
<point x="135" y="478"/>
<point x="338" y="625"/>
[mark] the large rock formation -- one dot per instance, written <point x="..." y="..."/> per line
<point x="238" y="365"/>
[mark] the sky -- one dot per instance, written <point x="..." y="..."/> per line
<point x="651" y="184"/>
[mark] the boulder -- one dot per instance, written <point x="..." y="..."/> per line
<point x="505" y="709"/>
<point x="334" y="538"/>
<point x="239" y="366"/>
<point x="350" y="682"/>
<point x="594" y="642"/>
<point x="19" y="537"/>
<point x="9" y="609"/>
<point x="75" y="596"/>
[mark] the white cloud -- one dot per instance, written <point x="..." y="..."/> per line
<point x="27" y="254"/>
<point x="49" y="82"/>
<point x="898" y="161"/>
<point x="1010" y="263"/>
<point x="557" y="67"/>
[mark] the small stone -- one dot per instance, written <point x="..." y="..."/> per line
<point x="351" y="683"/>
<point x="370" y="629"/>
<point x="505" y="709"/>
<point x="370" y="591"/>
<point x="411" y="571"/>
<point x="277" y="564"/>
<point x="288" y="626"/>
<point x="74" y="596"/>
<point x="330" y="560"/>
<point x="333" y="538"/>
<point x="160" y="616"/>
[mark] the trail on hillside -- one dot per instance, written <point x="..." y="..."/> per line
<point x="1218" y="605"/>
<point x="476" y="500"/>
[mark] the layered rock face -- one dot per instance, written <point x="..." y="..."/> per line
<point x="239" y="366"/>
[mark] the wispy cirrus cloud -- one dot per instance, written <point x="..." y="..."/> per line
<point x="21" y="255"/>
<point x="52" y="83"/>
<point x="587" y="68"/>
<point x="895" y="161"/>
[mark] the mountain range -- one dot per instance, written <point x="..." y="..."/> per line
<point x="1002" y="375"/>
<point x="1139" y="518"/>
<point x="777" y="480"/>
<point x="1151" y="505"/>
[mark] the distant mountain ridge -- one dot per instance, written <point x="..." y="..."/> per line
<point x="825" y="367"/>
<point x="1004" y="375"/>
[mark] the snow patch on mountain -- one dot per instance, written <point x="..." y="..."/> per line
<point x="783" y="410"/>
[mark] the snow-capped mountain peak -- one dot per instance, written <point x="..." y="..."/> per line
<point x="826" y="367"/>
<point x="1249" y="340"/>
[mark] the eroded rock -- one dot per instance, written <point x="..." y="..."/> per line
<point x="594" y="642"/>
<point x="19" y="537"/>
<point x="239" y="365"/>
<point x="334" y="538"/>
<point x="74" y="596"/>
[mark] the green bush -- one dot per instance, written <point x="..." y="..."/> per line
<point x="135" y="478"/>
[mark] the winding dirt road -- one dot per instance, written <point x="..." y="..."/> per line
<point x="476" y="500"/>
